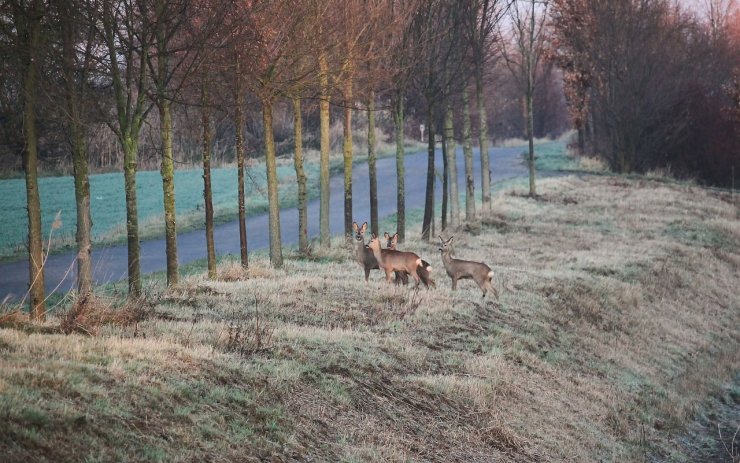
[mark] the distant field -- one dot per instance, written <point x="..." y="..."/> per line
<point x="109" y="206"/>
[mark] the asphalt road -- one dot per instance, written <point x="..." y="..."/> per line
<point x="110" y="262"/>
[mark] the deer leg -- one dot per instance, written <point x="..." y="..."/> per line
<point x="493" y="289"/>
<point x="367" y="274"/>
<point x="454" y="283"/>
<point x="415" y="274"/>
<point x="388" y="276"/>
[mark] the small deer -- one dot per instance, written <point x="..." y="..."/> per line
<point x="459" y="269"/>
<point x="363" y="255"/>
<point x="423" y="271"/>
<point x="395" y="261"/>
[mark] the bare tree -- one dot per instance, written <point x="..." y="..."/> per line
<point x="76" y="20"/>
<point x="128" y="37"/>
<point x="27" y="23"/>
<point x="528" y="34"/>
<point x="482" y="20"/>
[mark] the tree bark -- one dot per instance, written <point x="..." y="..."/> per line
<point x="32" y="27"/>
<point x="398" y="119"/>
<point x="347" y="157"/>
<point x="167" y="169"/>
<point x="276" y="253"/>
<point x="207" y="193"/>
<point x="468" y="153"/>
<point x="427" y="226"/>
<point x="445" y="180"/>
<point x="239" y="132"/>
<point x="485" y="162"/>
<point x="530" y="121"/>
<point x="130" y="148"/>
<point x="371" y="167"/>
<point x="530" y="97"/>
<point x="301" y="179"/>
<point x="452" y="165"/>
<point x="168" y="189"/>
<point x="73" y="94"/>
<point x="324" y="233"/>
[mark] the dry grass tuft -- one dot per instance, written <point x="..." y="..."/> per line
<point x="503" y="438"/>
<point x="247" y="338"/>
<point x="232" y="271"/>
<point x="89" y="313"/>
<point x="14" y="319"/>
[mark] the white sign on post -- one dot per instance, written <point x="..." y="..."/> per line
<point x="421" y="129"/>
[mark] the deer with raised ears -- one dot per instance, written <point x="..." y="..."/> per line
<point x="424" y="271"/>
<point x="363" y="255"/>
<point x="395" y="261"/>
<point x="459" y="269"/>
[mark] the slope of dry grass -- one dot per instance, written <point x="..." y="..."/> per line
<point x="618" y="316"/>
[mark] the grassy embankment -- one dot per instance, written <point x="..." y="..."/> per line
<point x="618" y="317"/>
<point x="109" y="208"/>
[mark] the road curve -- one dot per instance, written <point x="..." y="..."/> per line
<point x="109" y="263"/>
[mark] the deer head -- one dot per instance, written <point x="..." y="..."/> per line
<point x="391" y="241"/>
<point x="359" y="232"/>
<point x="445" y="246"/>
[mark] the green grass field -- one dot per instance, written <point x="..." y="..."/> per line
<point x="109" y="207"/>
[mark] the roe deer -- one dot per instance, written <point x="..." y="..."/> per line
<point x="363" y="255"/>
<point x="424" y="270"/>
<point x="459" y="269"/>
<point x="395" y="261"/>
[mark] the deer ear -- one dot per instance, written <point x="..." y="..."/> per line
<point x="440" y="238"/>
<point x="386" y="235"/>
<point x="450" y="240"/>
<point x="395" y="238"/>
<point x="374" y="236"/>
<point x="364" y="227"/>
<point x="354" y="226"/>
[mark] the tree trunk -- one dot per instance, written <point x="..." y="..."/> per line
<point x="79" y="160"/>
<point x="398" y="119"/>
<point x="276" y="253"/>
<point x="347" y="157"/>
<point x="30" y="165"/>
<point x="207" y="193"/>
<point x="325" y="233"/>
<point x="239" y="132"/>
<point x="530" y="97"/>
<point x="468" y="153"/>
<point x="168" y="189"/>
<point x="301" y="179"/>
<point x="445" y="180"/>
<point x="530" y="134"/>
<point x="452" y="164"/>
<point x="130" y="148"/>
<point x="427" y="226"/>
<point x="371" y="159"/>
<point x="485" y="163"/>
<point x="84" y="219"/>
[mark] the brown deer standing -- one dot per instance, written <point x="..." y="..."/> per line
<point x="459" y="269"/>
<point x="395" y="261"/>
<point x="363" y="255"/>
<point x="424" y="271"/>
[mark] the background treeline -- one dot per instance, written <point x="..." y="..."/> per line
<point x="89" y="85"/>
<point x="652" y="84"/>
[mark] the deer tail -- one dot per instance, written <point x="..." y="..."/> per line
<point x="490" y="275"/>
